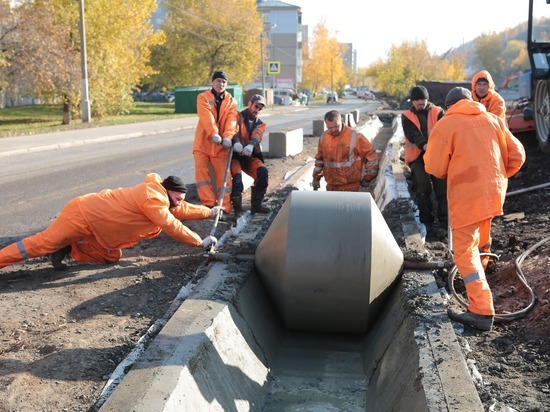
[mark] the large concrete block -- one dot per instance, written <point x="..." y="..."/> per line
<point x="319" y="127"/>
<point x="355" y="114"/>
<point x="286" y="143"/>
<point x="327" y="260"/>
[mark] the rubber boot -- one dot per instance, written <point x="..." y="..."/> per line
<point x="237" y="202"/>
<point x="424" y="203"/>
<point x="57" y="258"/>
<point x="442" y="212"/>
<point x="256" y="199"/>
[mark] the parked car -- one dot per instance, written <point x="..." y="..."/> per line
<point x="287" y="96"/>
<point x="170" y="97"/>
<point x="369" y="95"/>
<point x="351" y="91"/>
<point x="364" y="92"/>
<point x="332" y="97"/>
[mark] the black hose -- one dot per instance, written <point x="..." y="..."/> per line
<point x="519" y="262"/>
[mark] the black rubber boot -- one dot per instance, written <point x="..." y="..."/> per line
<point x="256" y="200"/>
<point x="57" y="258"/>
<point x="237" y="202"/>
<point x="480" y="322"/>
<point x="424" y="203"/>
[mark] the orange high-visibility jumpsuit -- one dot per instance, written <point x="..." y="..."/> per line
<point x="344" y="160"/>
<point x="213" y="121"/>
<point x="252" y="163"/>
<point x="99" y="225"/>
<point x="477" y="154"/>
<point x="493" y="102"/>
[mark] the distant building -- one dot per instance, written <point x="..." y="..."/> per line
<point x="283" y="33"/>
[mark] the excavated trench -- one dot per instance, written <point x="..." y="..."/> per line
<point x="236" y="345"/>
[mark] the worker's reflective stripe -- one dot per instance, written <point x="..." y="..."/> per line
<point x="317" y="170"/>
<point x="372" y="164"/>
<point x="22" y="250"/>
<point x="351" y="160"/>
<point x="473" y="277"/>
<point x="203" y="183"/>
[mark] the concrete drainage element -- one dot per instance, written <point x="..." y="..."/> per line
<point x="327" y="260"/>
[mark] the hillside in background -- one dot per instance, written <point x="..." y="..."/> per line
<point x="468" y="49"/>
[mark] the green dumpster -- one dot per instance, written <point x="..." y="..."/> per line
<point x="186" y="97"/>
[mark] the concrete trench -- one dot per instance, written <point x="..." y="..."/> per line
<point x="226" y="348"/>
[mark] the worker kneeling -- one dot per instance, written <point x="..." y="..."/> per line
<point x="97" y="226"/>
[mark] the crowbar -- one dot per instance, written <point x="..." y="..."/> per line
<point x="212" y="250"/>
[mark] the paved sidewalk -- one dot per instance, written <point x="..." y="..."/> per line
<point x="12" y="146"/>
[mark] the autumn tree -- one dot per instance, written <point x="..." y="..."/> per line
<point x="515" y="56"/>
<point x="43" y="52"/>
<point x="489" y="50"/>
<point x="118" y="42"/>
<point x="323" y="66"/>
<point x="205" y="36"/>
<point x="409" y="63"/>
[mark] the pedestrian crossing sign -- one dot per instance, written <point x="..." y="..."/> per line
<point x="274" y="67"/>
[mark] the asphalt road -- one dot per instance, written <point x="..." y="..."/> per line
<point x="37" y="184"/>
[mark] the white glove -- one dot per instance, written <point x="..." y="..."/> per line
<point x="247" y="151"/>
<point x="216" y="138"/>
<point x="215" y="210"/>
<point x="209" y="240"/>
<point x="316" y="184"/>
<point x="237" y="147"/>
<point x="226" y="142"/>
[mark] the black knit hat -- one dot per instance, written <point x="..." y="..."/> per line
<point x="220" y="74"/>
<point x="174" y="183"/>
<point x="456" y="94"/>
<point x="419" y="92"/>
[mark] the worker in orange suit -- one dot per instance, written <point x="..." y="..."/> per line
<point x="95" y="227"/>
<point x="477" y="154"/>
<point x="217" y="111"/>
<point x="248" y="156"/>
<point x="483" y="91"/>
<point x="345" y="157"/>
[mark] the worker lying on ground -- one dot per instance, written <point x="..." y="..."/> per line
<point x="95" y="227"/>
<point x="345" y="158"/>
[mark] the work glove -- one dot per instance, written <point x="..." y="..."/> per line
<point x="316" y="184"/>
<point x="226" y="142"/>
<point x="247" y="151"/>
<point x="209" y="240"/>
<point x="216" y="138"/>
<point x="214" y="211"/>
<point x="238" y="147"/>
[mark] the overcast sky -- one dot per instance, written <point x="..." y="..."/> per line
<point x="441" y="23"/>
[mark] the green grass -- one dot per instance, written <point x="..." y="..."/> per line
<point x="27" y="120"/>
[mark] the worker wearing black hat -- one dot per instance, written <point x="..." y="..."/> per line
<point x="217" y="112"/>
<point x="97" y="226"/>
<point x="417" y="124"/>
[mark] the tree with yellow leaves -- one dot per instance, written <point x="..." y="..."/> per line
<point x="205" y="36"/>
<point x="323" y="64"/>
<point x="42" y="52"/>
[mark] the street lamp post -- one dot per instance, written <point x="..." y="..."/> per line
<point x="331" y="75"/>
<point x="86" y="117"/>
<point x="263" y="64"/>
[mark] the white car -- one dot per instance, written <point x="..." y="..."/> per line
<point x="332" y="97"/>
<point x="170" y="97"/>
